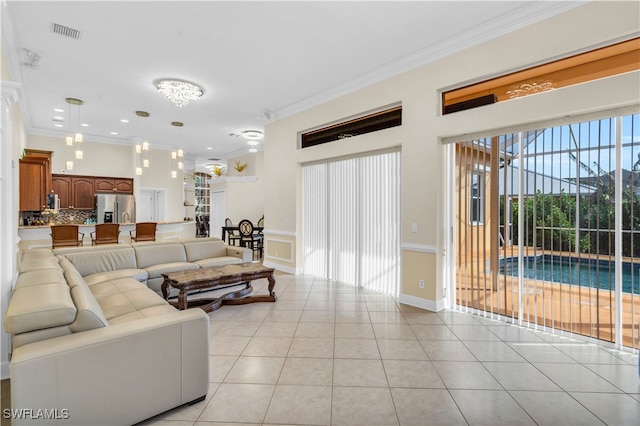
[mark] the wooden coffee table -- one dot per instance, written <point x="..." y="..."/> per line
<point x="218" y="276"/>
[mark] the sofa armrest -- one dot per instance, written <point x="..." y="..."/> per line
<point x="240" y="252"/>
<point x="143" y="367"/>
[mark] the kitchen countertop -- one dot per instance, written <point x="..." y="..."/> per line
<point x="92" y="225"/>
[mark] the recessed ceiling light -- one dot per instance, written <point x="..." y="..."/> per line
<point x="58" y="125"/>
<point x="58" y="110"/>
<point x="84" y="124"/>
<point x="209" y="147"/>
<point x="57" y="117"/>
<point x="114" y="133"/>
<point x="253" y="150"/>
<point x="124" y="120"/>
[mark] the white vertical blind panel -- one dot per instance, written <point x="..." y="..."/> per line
<point x="352" y="221"/>
<point x="343" y="221"/>
<point x="380" y="225"/>
<point x="315" y="224"/>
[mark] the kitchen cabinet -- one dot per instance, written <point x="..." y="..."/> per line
<point x="119" y="185"/>
<point x="35" y="179"/>
<point x="77" y="192"/>
<point x="61" y="185"/>
<point x="83" y="193"/>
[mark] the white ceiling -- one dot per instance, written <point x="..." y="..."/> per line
<point x="257" y="61"/>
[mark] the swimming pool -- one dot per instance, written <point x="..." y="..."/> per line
<point x="595" y="273"/>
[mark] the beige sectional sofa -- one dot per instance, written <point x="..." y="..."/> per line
<point x="94" y="343"/>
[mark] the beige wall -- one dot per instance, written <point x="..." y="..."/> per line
<point x="245" y="195"/>
<point x="158" y="176"/>
<point x="420" y="136"/>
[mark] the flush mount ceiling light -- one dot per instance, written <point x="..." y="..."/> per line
<point x="179" y="92"/>
<point x="252" y="134"/>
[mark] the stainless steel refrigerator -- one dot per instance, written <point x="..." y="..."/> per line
<point x="115" y="208"/>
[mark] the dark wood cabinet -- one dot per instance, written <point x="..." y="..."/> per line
<point x="82" y="192"/>
<point x="119" y="185"/>
<point x="104" y="184"/>
<point x="77" y="192"/>
<point x="61" y="185"/>
<point x="35" y="179"/>
<point x="124" y="186"/>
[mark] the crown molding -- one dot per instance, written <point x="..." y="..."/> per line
<point x="11" y="92"/>
<point x="516" y="19"/>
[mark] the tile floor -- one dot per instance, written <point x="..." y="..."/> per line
<point x="327" y="354"/>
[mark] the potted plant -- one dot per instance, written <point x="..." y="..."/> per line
<point x="240" y="167"/>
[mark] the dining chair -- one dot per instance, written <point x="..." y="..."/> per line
<point x="145" y="231"/>
<point x="105" y="233"/>
<point x="66" y="236"/>
<point x="232" y="234"/>
<point x="248" y="238"/>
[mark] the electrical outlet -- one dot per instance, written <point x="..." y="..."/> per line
<point x="414" y="227"/>
<point x="421" y="283"/>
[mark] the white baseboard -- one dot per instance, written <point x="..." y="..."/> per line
<point x="4" y="370"/>
<point x="288" y="269"/>
<point x="418" y="302"/>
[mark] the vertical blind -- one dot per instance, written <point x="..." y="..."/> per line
<point x="352" y="221"/>
<point x="560" y="246"/>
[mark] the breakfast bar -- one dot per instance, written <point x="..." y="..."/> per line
<point x="40" y="236"/>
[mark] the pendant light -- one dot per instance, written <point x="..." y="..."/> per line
<point x="73" y="140"/>
<point x="177" y="155"/>
<point x="142" y="148"/>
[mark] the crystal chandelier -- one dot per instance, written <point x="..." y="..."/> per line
<point x="179" y="92"/>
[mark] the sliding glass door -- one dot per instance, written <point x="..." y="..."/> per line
<point x="352" y="221"/>
<point x="548" y="228"/>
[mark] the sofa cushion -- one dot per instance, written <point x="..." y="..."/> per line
<point x="31" y="264"/>
<point x="92" y="260"/>
<point x="137" y="274"/>
<point x="40" y="276"/>
<point x="114" y="286"/>
<point x="218" y="261"/>
<point x="151" y="311"/>
<point x="153" y="253"/>
<point x="89" y="313"/>
<point x="71" y="274"/>
<point x="35" y="307"/>
<point x="204" y="248"/>
<point x="129" y="301"/>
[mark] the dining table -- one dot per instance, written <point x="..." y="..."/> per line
<point x="228" y="229"/>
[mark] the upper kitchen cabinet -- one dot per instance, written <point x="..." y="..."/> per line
<point x="35" y="179"/>
<point x="119" y="185"/>
<point x="74" y="192"/>
<point x="83" y="191"/>
<point x="61" y="185"/>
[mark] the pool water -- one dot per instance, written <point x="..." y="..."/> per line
<point x="593" y="273"/>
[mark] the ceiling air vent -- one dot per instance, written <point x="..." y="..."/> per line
<point x="65" y="31"/>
